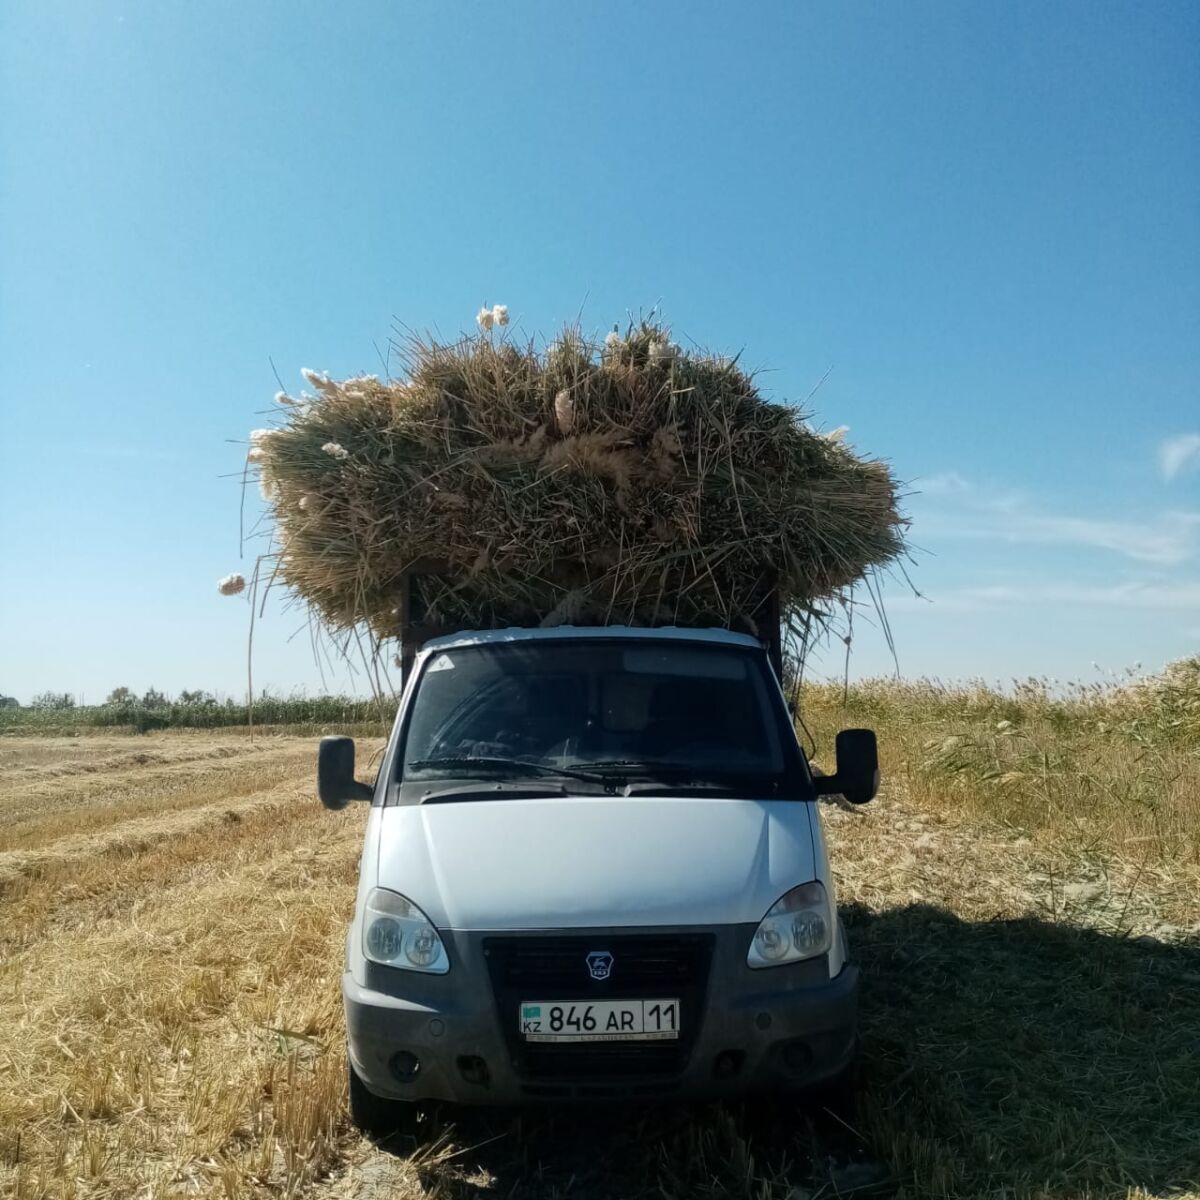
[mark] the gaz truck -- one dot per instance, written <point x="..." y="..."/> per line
<point x="594" y="869"/>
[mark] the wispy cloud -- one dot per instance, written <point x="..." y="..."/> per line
<point x="1164" y="539"/>
<point x="942" y="483"/>
<point x="1147" y="595"/>
<point x="1178" y="454"/>
<point x="1167" y="539"/>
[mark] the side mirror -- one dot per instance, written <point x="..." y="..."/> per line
<point x="857" y="776"/>
<point x="336" y="784"/>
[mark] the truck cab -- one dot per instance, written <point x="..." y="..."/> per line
<point x="594" y="868"/>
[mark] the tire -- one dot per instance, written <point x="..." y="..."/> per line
<point x="376" y="1115"/>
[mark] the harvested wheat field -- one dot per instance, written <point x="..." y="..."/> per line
<point x="1023" y="898"/>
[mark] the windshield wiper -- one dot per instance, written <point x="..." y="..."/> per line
<point x="511" y="766"/>
<point x="680" y="774"/>
<point x="493" y="791"/>
<point x="627" y="766"/>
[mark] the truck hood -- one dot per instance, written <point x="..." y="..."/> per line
<point x="576" y="862"/>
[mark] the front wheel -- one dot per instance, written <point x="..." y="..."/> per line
<point x="378" y="1115"/>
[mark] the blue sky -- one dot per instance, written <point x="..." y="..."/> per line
<point x="983" y="220"/>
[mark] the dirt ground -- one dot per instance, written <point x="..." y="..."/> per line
<point x="172" y="911"/>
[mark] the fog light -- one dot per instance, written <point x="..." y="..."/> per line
<point x="405" y="1066"/>
<point x="727" y="1064"/>
<point x="474" y="1070"/>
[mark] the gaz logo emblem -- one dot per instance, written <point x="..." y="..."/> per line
<point x="600" y="964"/>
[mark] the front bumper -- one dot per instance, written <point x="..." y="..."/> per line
<point x="785" y="1027"/>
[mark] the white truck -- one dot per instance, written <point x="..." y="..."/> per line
<point x="594" y="868"/>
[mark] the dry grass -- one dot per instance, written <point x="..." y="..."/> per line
<point x="629" y="482"/>
<point x="168" y="1003"/>
<point x="170" y="1022"/>
<point x="46" y="806"/>
<point x="51" y="757"/>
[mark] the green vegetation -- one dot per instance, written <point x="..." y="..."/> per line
<point x="194" y="710"/>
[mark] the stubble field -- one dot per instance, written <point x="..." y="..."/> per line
<point x="1024" y="898"/>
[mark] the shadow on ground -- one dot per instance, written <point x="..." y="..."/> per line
<point x="1012" y="1057"/>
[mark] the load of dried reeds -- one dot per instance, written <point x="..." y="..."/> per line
<point x="627" y="482"/>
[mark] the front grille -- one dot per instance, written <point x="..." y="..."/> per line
<point x="641" y="963"/>
<point x="644" y="966"/>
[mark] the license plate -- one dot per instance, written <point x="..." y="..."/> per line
<point x="599" y="1020"/>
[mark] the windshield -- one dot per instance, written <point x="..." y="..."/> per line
<point x="600" y="710"/>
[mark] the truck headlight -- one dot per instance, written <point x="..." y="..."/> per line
<point x="397" y="933"/>
<point x="797" y="926"/>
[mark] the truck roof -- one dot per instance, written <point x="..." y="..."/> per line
<point x="723" y="637"/>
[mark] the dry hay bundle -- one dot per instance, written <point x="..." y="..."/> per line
<point x="623" y="482"/>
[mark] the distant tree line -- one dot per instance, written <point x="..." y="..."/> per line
<point x="193" y="708"/>
<point x="153" y="698"/>
<point x="119" y="696"/>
